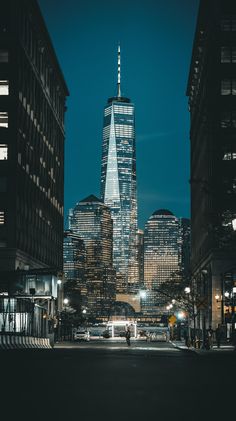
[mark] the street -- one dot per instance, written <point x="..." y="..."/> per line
<point x="94" y="381"/>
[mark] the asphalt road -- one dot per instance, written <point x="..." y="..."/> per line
<point x="97" y="381"/>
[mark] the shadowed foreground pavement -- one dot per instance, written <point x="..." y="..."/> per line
<point x="90" y="382"/>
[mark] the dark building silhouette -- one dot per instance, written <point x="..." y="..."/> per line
<point x="32" y="108"/>
<point x="212" y="102"/>
<point x="185" y="245"/>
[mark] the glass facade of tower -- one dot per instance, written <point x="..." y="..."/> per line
<point x="118" y="183"/>
<point x="162" y="251"/>
<point x="74" y="256"/>
<point x="91" y="220"/>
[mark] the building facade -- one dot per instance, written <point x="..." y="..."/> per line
<point x="118" y="182"/>
<point x="74" y="256"/>
<point x="91" y="220"/>
<point x="185" y="246"/>
<point x="32" y="107"/>
<point x="162" y="258"/>
<point x="212" y="103"/>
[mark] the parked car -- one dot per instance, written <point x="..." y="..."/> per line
<point x="82" y="335"/>
<point x="158" y="336"/>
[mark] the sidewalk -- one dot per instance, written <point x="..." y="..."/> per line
<point x="181" y="345"/>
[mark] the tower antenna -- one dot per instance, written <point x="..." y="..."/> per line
<point x="118" y="80"/>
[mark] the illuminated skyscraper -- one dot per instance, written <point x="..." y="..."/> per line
<point x="74" y="256"/>
<point x="118" y="182"/>
<point x="91" y="220"/>
<point x="162" y="256"/>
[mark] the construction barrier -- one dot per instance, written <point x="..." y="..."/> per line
<point x="8" y="341"/>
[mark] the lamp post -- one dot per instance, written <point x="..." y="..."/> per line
<point x="233" y="317"/>
<point x="66" y="303"/>
<point x="187" y="291"/>
<point x="204" y="290"/>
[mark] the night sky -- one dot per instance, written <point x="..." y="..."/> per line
<point x="156" y="39"/>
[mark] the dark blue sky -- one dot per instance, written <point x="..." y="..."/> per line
<point x="156" y="39"/>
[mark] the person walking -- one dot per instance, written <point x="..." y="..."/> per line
<point x="218" y="336"/>
<point x="127" y="335"/>
<point x="210" y="336"/>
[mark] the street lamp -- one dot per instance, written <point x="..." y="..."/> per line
<point x="66" y="301"/>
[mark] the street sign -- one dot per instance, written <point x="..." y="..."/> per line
<point x="172" y="320"/>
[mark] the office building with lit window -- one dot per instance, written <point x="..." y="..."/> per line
<point x="91" y="220"/>
<point x="74" y="257"/>
<point x="162" y="253"/>
<point x="118" y="182"/>
<point x="32" y="107"/>
<point x="212" y="103"/>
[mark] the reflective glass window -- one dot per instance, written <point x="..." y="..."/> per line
<point x="3" y="119"/>
<point x="2" y="217"/>
<point x="4" y="87"/>
<point x="3" y="152"/>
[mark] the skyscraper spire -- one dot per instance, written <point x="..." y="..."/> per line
<point x="118" y="81"/>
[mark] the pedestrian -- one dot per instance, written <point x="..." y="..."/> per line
<point x="210" y="336"/>
<point x="218" y="336"/>
<point x="127" y="335"/>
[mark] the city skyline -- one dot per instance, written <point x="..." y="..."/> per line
<point x="155" y="64"/>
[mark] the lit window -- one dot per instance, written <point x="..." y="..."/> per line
<point x="3" y="56"/>
<point x="228" y="87"/>
<point x="228" y="156"/>
<point x="4" y="87"/>
<point x="3" y="119"/>
<point x="234" y="87"/>
<point x="3" y="152"/>
<point x="2" y="217"/>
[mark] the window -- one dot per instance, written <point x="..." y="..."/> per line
<point x="3" y="56"/>
<point x="225" y="55"/>
<point x="4" y="87"/>
<point x="3" y="119"/>
<point x="228" y="87"/>
<point x="2" y="217"/>
<point x="3" y="152"/>
<point x="228" y="54"/>
<point x="228" y="156"/>
<point x="228" y="23"/>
